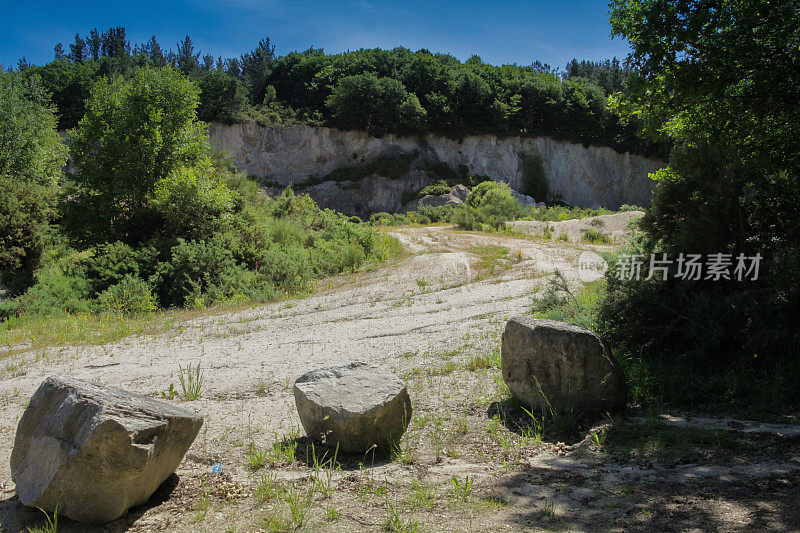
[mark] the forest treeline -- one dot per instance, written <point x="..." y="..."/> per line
<point x="379" y="91"/>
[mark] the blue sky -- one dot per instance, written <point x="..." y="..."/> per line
<point x="500" y="31"/>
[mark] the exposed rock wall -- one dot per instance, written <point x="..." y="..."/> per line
<point x="584" y="176"/>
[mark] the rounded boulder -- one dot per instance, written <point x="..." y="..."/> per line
<point x="357" y="406"/>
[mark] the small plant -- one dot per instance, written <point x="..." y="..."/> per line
<point x="549" y="509"/>
<point x="256" y="457"/>
<point x="423" y="286"/>
<point x="170" y="393"/>
<point x="323" y="473"/>
<point x="420" y="495"/>
<point x="332" y="514"/>
<point x="191" y="382"/>
<point x="600" y="437"/>
<point x="595" y="237"/>
<point x="299" y="505"/>
<point x="462" y="490"/>
<point x="50" y="525"/>
<point x="396" y="524"/>
<point x="267" y="487"/>
<point x="284" y="451"/>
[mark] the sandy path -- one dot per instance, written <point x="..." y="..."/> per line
<point x="370" y="316"/>
<point x="406" y="315"/>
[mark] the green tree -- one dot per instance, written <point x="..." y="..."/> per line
<point x="718" y="78"/>
<point x="31" y="157"/>
<point x="77" y="50"/>
<point x="135" y="133"/>
<point x="256" y="67"/>
<point x="187" y="59"/>
<point x="222" y="97"/>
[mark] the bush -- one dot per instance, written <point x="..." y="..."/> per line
<point x="54" y="292"/>
<point x="109" y="263"/>
<point x="192" y="202"/>
<point x="495" y="195"/>
<point x="130" y="297"/>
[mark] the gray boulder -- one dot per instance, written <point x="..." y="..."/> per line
<point x="523" y="199"/>
<point x="460" y="192"/>
<point x="356" y="406"/>
<point x="94" y="451"/>
<point x="438" y="200"/>
<point x="563" y="364"/>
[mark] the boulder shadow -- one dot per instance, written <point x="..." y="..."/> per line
<point x="17" y="518"/>
<point x="311" y="453"/>
<point x="569" y="427"/>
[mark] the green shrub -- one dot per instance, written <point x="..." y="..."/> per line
<point x="109" y="263"/>
<point x="595" y="237"/>
<point x="495" y="195"/>
<point x="130" y="297"/>
<point x="436" y="188"/>
<point x="54" y="292"/>
<point x="192" y="202"/>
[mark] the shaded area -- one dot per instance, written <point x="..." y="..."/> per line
<point x="17" y="518"/>
<point x="653" y="477"/>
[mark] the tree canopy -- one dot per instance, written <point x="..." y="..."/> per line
<point x="383" y="91"/>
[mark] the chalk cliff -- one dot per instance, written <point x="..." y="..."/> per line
<point x="584" y="176"/>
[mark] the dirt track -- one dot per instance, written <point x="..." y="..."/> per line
<point x="443" y="304"/>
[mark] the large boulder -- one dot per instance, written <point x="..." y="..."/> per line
<point x="356" y="406"/>
<point x="439" y="200"/>
<point x="563" y="364"/>
<point x="94" y="451"/>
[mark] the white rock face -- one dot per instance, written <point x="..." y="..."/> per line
<point x="93" y="451"/>
<point x="357" y="406"/>
<point x="584" y="176"/>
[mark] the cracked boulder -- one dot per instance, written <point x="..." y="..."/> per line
<point x="356" y="406"/>
<point x="562" y="365"/>
<point x="93" y="451"/>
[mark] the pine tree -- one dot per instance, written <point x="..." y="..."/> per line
<point x="155" y="52"/>
<point x="256" y="68"/>
<point x="188" y="60"/>
<point x="59" y="51"/>
<point x="77" y="51"/>
<point x="94" y="44"/>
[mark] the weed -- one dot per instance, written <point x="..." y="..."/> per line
<point x="595" y="237"/>
<point x="262" y="387"/>
<point x="549" y="509"/>
<point x="50" y="525"/>
<point x="170" y="393"/>
<point x="257" y="457"/>
<point x="191" y="382"/>
<point x="332" y="514"/>
<point x="273" y="521"/>
<point x="492" y="259"/>
<point x="396" y="524"/>
<point x="420" y="496"/>
<point x="267" y="486"/>
<point x="323" y="473"/>
<point x="284" y="451"/>
<point x="600" y="437"/>
<point x="462" y="490"/>
<point x="299" y="505"/>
